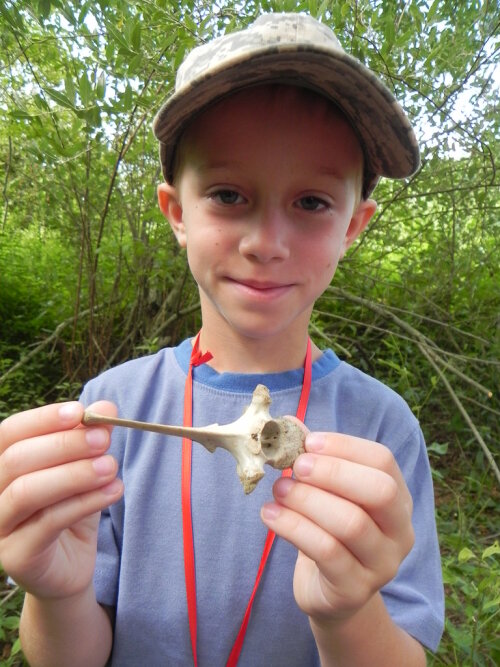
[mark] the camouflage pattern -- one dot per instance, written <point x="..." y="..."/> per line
<point x="292" y="49"/>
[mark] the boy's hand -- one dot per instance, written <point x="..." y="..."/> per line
<point x="54" y="480"/>
<point x="349" y="514"/>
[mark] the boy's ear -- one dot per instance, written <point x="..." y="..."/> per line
<point x="170" y="206"/>
<point x="360" y="218"/>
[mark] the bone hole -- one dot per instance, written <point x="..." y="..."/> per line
<point x="270" y="439"/>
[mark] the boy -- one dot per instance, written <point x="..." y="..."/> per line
<point x="270" y="148"/>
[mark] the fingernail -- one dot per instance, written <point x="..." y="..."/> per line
<point x="270" y="511"/>
<point x="112" y="488"/>
<point x="315" y="442"/>
<point x="104" y="465"/>
<point x="303" y="465"/>
<point x="96" y="438"/>
<point x="282" y="487"/>
<point x="70" y="411"/>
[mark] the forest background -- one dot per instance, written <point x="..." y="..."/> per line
<point x="90" y="275"/>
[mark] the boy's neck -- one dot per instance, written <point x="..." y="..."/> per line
<point x="234" y="353"/>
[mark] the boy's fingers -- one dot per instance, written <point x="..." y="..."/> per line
<point x="39" y="421"/>
<point x="351" y="448"/>
<point x="48" y="451"/>
<point x="332" y="558"/>
<point x="34" y="492"/>
<point x="42" y="450"/>
<point x="346" y="522"/>
<point x="69" y="512"/>
<point x="45" y="420"/>
<point x="375" y="491"/>
<point x="358" y="450"/>
<point x="339" y="577"/>
<point x="41" y="531"/>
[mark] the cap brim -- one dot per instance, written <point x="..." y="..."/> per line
<point x="384" y="131"/>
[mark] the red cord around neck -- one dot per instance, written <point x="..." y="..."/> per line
<point x="197" y="358"/>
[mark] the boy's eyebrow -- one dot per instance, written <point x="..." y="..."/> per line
<point x="219" y="164"/>
<point x="331" y="171"/>
<point x="207" y="165"/>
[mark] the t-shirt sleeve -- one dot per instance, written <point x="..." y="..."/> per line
<point x="415" y="597"/>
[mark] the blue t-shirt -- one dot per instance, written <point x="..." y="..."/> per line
<point x="140" y="565"/>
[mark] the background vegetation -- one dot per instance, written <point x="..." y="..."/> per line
<point x="90" y="276"/>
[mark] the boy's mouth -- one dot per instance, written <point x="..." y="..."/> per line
<point x="262" y="289"/>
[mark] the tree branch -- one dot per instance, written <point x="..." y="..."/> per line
<point x="41" y="346"/>
<point x="433" y="355"/>
<point x="428" y="355"/>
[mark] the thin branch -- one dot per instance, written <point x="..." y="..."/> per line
<point x="41" y="346"/>
<point x="466" y="378"/>
<point x="469" y="399"/>
<point x="323" y="336"/>
<point x="433" y="355"/>
<point x="462" y="410"/>
<point x="8" y="165"/>
<point x="175" y="316"/>
<point x="9" y="595"/>
<point x="414" y="334"/>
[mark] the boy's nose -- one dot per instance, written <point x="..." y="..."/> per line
<point x="266" y="237"/>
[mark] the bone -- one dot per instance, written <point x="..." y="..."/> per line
<point x="254" y="439"/>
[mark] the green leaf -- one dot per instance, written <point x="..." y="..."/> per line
<point x="16" y="647"/>
<point x="346" y="9"/>
<point x="389" y="33"/>
<point x="127" y="99"/>
<point x="93" y="116"/>
<point x="438" y="448"/>
<point x="12" y="16"/>
<point x="59" y="98"/>
<point x="67" y="12"/>
<point x="492" y="550"/>
<point x="43" y="9"/>
<point x="101" y="86"/>
<point x="85" y="89"/>
<point x="392" y="364"/>
<point x="136" y="37"/>
<point x="40" y="102"/>
<point x="117" y="37"/>
<point x="465" y="555"/>
<point x="134" y="65"/>
<point x="110" y="52"/>
<point x="190" y="24"/>
<point x="83" y="13"/>
<point x="432" y="10"/>
<point x="11" y="622"/>
<point x="490" y="604"/>
<point x="69" y="87"/>
<point x="20" y="114"/>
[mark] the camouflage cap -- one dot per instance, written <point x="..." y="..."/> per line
<point x="292" y="49"/>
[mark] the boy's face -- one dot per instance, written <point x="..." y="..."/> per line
<point x="266" y="201"/>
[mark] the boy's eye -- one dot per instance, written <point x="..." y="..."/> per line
<point x="227" y="197"/>
<point x="312" y="203"/>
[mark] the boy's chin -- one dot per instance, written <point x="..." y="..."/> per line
<point x="265" y="324"/>
<point x="268" y="329"/>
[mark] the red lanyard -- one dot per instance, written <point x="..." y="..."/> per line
<point x="187" y="524"/>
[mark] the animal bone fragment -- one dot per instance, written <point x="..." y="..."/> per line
<point x="253" y="439"/>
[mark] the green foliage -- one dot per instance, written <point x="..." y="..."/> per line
<point x="468" y="532"/>
<point x="90" y="275"/>
<point x="474" y="579"/>
<point x="10" y="603"/>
